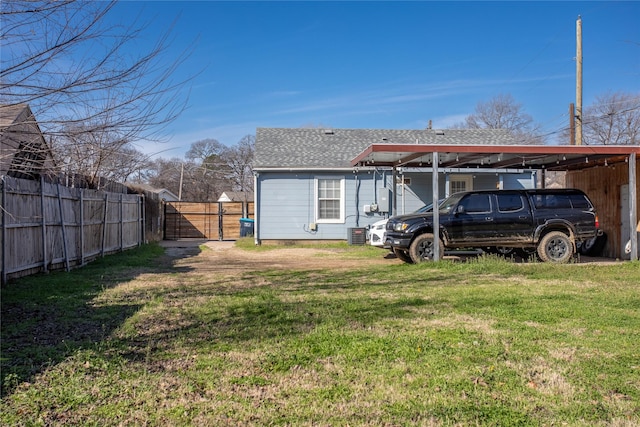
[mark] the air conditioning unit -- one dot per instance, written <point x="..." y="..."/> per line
<point x="357" y="236"/>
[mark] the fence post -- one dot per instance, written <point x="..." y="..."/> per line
<point x="4" y="231"/>
<point x="164" y="220"/>
<point x="44" y="227"/>
<point x="121" y="223"/>
<point x="142" y="218"/>
<point x="81" y="226"/>
<point x="64" y="232"/>
<point x="220" y="221"/>
<point x="104" y="223"/>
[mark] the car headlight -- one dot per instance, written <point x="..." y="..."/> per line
<point x="400" y="226"/>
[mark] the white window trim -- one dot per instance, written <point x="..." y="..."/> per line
<point x="467" y="179"/>
<point x="340" y="220"/>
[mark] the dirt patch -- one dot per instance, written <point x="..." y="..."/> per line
<point x="224" y="258"/>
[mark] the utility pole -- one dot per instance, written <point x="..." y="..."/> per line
<point x="578" y="116"/>
<point x="572" y="124"/>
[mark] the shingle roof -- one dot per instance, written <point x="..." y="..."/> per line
<point x="334" y="148"/>
<point x="9" y="114"/>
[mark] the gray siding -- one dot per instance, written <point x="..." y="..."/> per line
<point x="517" y="181"/>
<point x="286" y="206"/>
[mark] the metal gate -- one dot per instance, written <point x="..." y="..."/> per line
<point x="205" y="220"/>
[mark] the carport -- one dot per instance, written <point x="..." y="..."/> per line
<point x="569" y="158"/>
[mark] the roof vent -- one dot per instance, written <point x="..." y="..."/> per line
<point x="439" y="132"/>
<point x="328" y="132"/>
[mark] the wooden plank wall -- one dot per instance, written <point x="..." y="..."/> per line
<point x="50" y="227"/>
<point x="205" y="220"/>
<point x="191" y="220"/>
<point x="602" y="185"/>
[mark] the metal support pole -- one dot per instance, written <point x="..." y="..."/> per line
<point x="633" y="207"/>
<point x="394" y="197"/>
<point x="436" y="211"/>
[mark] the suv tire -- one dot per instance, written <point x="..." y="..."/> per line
<point x="555" y="247"/>
<point x="402" y="255"/>
<point x="422" y="249"/>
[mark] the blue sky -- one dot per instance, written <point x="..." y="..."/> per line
<point x="386" y="65"/>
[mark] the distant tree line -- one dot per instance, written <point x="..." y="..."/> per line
<point x="208" y="169"/>
<point x="614" y="119"/>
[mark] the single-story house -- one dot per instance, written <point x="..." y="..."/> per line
<point x="306" y="187"/>
<point x="24" y="152"/>
<point x="163" y="194"/>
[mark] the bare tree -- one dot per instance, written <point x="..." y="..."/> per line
<point x="163" y="173"/>
<point x="240" y="162"/>
<point x="503" y="112"/>
<point x="209" y="169"/>
<point x="78" y="74"/>
<point x="81" y="149"/>
<point x="614" y="119"/>
<point x="205" y="151"/>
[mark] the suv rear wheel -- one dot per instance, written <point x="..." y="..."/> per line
<point x="555" y="247"/>
<point x="422" y="248"/>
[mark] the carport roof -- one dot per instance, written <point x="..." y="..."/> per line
<point x="545" y="157"/>
<point x="548" y="157"/>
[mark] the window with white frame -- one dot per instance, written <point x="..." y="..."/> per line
<point x="330" y="200"/>
<point x="460" y="183"/>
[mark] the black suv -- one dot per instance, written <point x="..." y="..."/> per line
<point x="549" y="222"/>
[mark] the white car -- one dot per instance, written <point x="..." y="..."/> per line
<point x="378" y="232"/>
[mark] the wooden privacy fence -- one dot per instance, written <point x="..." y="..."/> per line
<point x="50" y="227"/>
<point x="205" y="220"/>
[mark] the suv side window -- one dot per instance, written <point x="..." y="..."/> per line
<point x="579" y="201"/>
<point x="552" y="201"/>
<point x="476" y="203"/>
<point x="509" y="202"/>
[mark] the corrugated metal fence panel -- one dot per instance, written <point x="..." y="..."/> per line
<point x="49" y="226"/>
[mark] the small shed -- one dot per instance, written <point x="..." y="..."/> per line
<point x="24" y="152"/>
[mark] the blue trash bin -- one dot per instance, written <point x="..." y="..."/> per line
<point x="246" y="227"/>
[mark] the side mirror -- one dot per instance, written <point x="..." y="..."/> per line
<point x="460" y="209"/>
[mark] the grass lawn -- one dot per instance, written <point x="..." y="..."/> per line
<point x="133" y="340"/>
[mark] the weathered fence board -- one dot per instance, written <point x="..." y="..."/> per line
<point x="49" y="226"/>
